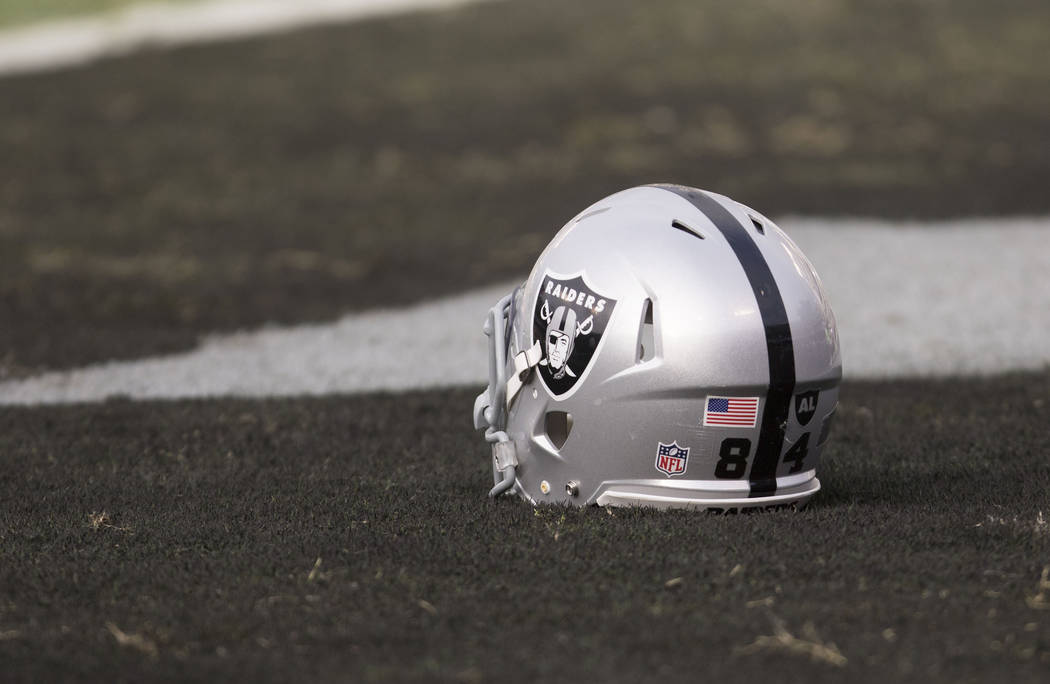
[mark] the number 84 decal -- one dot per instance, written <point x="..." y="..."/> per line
<point x="734" y="452"/>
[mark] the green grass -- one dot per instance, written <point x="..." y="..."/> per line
<point x="19" y="12"/>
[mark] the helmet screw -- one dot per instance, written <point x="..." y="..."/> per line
<point x="572" y="488"/>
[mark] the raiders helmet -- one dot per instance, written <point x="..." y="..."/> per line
<point x="671" y="348"/>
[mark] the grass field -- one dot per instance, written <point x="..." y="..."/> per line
<point x="329" y="539"/>
<point x="148" y="201"/>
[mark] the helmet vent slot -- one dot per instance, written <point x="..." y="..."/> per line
<point x="678" y="225"/>
<point x="557" y="425"/>
<point x="646" y="336"/>
<point x="757" y="224"/>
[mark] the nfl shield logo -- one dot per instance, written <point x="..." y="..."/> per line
<point x="671" y="459"/>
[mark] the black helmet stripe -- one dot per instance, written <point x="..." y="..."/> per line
<point x="779" y="347"/>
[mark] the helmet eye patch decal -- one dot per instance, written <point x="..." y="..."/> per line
<point x="780" y="349"/>
<point x="569" y="319"/>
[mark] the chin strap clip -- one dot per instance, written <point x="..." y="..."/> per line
<point x="524" y="362"/>
<point x="505" y="455"/>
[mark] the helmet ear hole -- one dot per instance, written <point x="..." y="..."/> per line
<point x="646" y="335"/>
<point x="557" y="425"/>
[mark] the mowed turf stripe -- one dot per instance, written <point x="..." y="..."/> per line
<point x="350" y="539"/>
<point x="911" y="299"/>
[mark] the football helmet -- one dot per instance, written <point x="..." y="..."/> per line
<point x="671" y="348"/>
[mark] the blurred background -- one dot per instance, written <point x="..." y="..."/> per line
<point x="294" y="177"/>
<point x="171" y="173"/>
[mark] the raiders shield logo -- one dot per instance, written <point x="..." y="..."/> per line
<point x="806" y="406"/>
<point x="568" y="320"/>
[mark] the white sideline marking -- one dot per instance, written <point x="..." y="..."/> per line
<point x="432" y="344"/>
<point x="964" y="297"/>
<point x="68" y="42"/>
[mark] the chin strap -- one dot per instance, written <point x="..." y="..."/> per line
<point x="524" y="362"/>
<point x="492" y="405"/>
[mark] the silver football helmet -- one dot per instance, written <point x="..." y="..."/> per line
<point x="671" y="347"/>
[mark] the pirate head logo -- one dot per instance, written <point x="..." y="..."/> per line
<point x="568" y="320"/>
<point x="562" y="331"/>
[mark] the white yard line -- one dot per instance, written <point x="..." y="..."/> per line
<point x="968" y="297"/>
<point x="69" y="42"/>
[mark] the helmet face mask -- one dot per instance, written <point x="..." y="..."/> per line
<point x="671" y="347"/>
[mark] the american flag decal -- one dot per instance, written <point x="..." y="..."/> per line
<point x="731" y="411"/>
